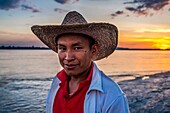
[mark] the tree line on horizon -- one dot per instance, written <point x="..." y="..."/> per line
<point x="20" y="47"/>
<point x="46" y="48"/>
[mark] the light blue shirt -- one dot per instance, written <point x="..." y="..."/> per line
<point x="103" y="95"/>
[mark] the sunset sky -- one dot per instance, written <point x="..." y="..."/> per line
<point x="141" y="23"/>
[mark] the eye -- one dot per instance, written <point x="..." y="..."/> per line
<point x="61" y="48"/>
<point x="78" y="48"/>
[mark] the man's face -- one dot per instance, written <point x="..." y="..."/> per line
<point x="74" y="53"/>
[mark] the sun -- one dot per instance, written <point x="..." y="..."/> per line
<point x="162" y="46"/>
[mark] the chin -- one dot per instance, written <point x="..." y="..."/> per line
<point x="71" y="73"/>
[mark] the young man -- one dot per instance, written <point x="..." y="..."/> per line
<point x="81" y="87"/>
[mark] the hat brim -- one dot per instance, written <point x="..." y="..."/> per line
<point x="105" y="35"/>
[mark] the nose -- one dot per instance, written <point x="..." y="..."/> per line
<point x="69" y="56"/>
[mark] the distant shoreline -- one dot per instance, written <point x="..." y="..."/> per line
<point x="46" y="48"/>
<point x="120" y="48"/>
<point x="22" y="48"/>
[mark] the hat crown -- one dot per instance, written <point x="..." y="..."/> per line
<point x="73" y="18"/>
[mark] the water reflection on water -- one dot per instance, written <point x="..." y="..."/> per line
<point x="25" y="76"/>
<point x="136" y="62"/>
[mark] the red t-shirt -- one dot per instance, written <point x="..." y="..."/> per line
<point x="64" y="103"/>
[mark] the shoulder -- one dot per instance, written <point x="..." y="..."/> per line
<point x="110" y="86"/>
<point x="112" y="95"/>
<point x="112" y="99"/>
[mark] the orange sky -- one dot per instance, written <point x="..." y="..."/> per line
<point x="146" y="38"/>
<point x="141" y="23"/>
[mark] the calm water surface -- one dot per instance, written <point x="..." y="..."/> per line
<point x="25" y="75"/>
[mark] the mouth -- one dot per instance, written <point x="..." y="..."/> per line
<point x="70" y="66"/>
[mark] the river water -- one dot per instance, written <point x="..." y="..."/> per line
<point x="26" y="75"/>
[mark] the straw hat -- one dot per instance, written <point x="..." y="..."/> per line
<point x="104" y="34"/>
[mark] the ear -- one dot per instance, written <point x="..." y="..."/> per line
<point x="94" y="51"/>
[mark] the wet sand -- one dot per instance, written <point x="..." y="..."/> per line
<point x="150" y="94"/>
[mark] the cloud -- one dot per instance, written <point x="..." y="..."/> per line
<point x="113" y="15"/>
<point x="135" y="10"/>
<point x="143" y="7"/>
<point x="61" y="1"/>
<point x="9" y="4"/>
<point x="117" y="13"/>
<point x="34" y="10"/>
<point x="14" y="4"/>
<point x="66" y="1"/>
<point x="60" y="10"/>
<point x="154" y="30"/>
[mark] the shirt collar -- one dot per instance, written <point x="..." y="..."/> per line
<point x="62" y="76"/>
<point x="96" y="83"/>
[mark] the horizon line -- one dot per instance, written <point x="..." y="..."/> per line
<point x="47" y="48"/>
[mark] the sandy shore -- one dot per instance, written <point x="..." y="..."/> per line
<point x="149" y="95"/>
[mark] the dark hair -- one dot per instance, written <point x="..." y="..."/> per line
<point x="89" y="38"/>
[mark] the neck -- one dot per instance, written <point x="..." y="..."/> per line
<point x="75" y="80"/>
<point x="79" y="78"/>
<point x="82" y="76"/>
